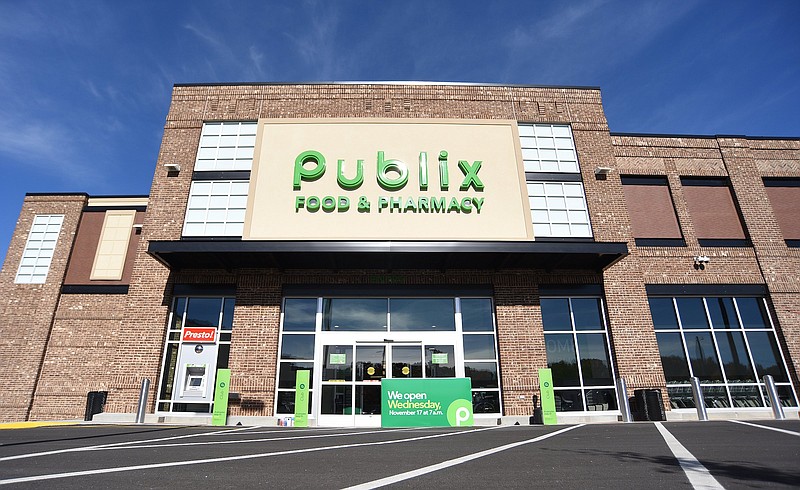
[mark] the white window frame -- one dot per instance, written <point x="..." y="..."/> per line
<point x="558" y="209"/>
<point x="557" y="204"/>
<point x="216" y="208"/>
<point x="39" y="249"/>
<point x="226" y="146"/>
<point x="548" y="148"/>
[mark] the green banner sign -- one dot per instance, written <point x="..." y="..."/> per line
<point x="220" y="415"/>
<point x="440" y="402"/>
<point x="548" y="397"/>
<point x="301" y="398"/>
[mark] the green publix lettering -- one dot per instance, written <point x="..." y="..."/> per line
<point x="391" y="174"/>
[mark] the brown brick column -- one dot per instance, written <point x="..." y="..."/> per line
<point x="28" y="309"/>
<point x="254" y="343"/>
<point x="521" y="342"/>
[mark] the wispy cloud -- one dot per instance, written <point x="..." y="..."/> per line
<point x="46" y="146"/>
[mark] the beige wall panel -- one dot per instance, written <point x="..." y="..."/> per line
<point x="271" y="213"/>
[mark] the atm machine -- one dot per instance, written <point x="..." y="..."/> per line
<point x="195" y="370"/>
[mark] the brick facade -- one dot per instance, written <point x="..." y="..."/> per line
<point x="59" y="346"/>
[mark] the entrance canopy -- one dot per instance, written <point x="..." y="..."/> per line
<point x="441" y="255"/>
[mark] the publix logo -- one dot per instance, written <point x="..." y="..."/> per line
<point x="460" y="413"/>
<point x="391" y="175"/>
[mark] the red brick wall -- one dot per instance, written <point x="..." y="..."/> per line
<point x="28" y="309"/>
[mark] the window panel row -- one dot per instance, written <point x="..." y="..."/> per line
<point x="216" y="208"/>
<point x="39" y="248"/>
<point x="226" y="146"/>
<point x="382" y="314"/>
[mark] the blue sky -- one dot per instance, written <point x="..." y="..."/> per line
<point x="85" y="85"/>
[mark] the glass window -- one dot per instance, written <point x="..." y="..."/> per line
<point x="558" y="209"/>
<point x="578" y="359"/>
<point x="735" y="360"/>
<point x="568" y="400"/>
<point x="336" y="400"/>
<point x="561" y="359"/>
<point x="440" y="361"/>
<point x="753" y="312"/>
<point x="586" y="312"/>
<point x="368" y="399"/>
<point x="485" y="401"/>
<point x="178" y="313"/>
<point x="478" y="346"/>
<point x="39" y="249"/>
<point x="716" y="397"/>
<point x="745" y="396"/>
<point x="722" y="313"/>
<point x="299" y="314"/>
<point x="226" y="146"/>
<point x="595" y="364"/>
<point x="216" y="208"/>
<point x="663" y="313"/>
<point x="300" y="346"/>
<point x="337" y="363"/>
<point x="223" y="355"/>
<point x="354" y="314"/>
<point x="724" y="356"/>
<point x="673" y="358"/>
<point x="427" y="314"/>
<point x="406" y="361"/>
<point x="287" y="377"/>
<point x="227" y="313"/>
<point x="370" y="362"/>
<point x="483" y="374"/>
<point x="555" y="314"/>
<point x="703" y="356"/>
<point x="692" y="313"/>
<point x="766" y="355"/>
<point x="548" y="148"/>
<point x="203" y="312"/>
<point x="476" y="315"/>
<point x="601" y="399"/>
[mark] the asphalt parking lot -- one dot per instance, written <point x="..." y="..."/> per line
<point x="649" y="455"/>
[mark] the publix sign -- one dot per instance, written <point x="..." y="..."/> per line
<point x="391" y="175"/>
<point x="387" y="179"/>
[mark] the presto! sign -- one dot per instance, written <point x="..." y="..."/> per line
<point x="199" y="334"/>
<point x="354" y="179"/>
<point x="432" y="402"/>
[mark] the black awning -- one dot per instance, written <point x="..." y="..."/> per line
<point x="391" y="255"/>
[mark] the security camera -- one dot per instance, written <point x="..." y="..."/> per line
<point x="700" y="262"/>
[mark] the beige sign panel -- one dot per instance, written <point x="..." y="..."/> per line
<point x="387" y="179"/>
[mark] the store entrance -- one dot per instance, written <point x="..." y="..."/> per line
<point x="351" y="377"/>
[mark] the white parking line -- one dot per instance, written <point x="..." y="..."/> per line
<point x="120" y="469"/>
<point x="114" y="444"/>
<point x="137" y="445"/>
<point x="453" y="462"/>
<point x="699" y="476"/>
<point x="784" y="431"/>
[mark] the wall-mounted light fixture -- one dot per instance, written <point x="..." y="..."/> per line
<point x="602" y="170"/>
<point x="172" y="167"/>
<point x="137" y="228"/>
<point x="701" y="261"/>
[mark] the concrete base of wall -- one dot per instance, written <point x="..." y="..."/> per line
<point x="563" y="418"/>
<point x="732" y="414"/>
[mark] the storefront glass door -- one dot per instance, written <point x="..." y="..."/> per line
<point x="350" y="344"/>
<point x="352" y="374"/>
